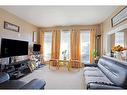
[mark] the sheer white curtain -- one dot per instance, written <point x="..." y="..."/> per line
<point x="85" y="46"/>
<point x="47" y="45"/>
<point x="65" y="45"/>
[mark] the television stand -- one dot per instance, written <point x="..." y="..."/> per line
<point x="12" y="60"/>
<point x="18" y="69"/>
<point x="17" y="75"/>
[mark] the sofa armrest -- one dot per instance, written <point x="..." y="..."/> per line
<point x="34" y="84"/>
<point x="101" y="85"/>
<point x="91" y="65"/>
<point x="4" y="77"/>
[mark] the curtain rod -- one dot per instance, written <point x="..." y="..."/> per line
<point x="82" y="27"/>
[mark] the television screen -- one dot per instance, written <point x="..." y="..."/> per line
<point x="36" y="47"/>
<point x="11" y="47"/>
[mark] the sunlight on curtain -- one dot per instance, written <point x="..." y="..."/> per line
<point x="47" y="45"/>
<point x="65" y="45"/>
<point x="85" y="46"/>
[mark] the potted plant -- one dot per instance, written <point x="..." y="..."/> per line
<point x="94" y="53"/>
<point x="64" y="54"/>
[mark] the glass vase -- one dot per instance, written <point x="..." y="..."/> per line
<point x="118" y="55"/>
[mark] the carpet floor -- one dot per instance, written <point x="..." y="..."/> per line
<point x="58" y="79"/>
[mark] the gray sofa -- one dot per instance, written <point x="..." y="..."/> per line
<point x="108" y="73"/>
<point x="5" y="83"/>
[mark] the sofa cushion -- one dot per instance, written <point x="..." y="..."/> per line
<point x="96" y="85"/>
<point x="90" y="68"/>
<point x="35" y="84"/>
<point x="114" y="70"/>
<point x="89" y="79"/>
<point x="94" y="73"/>
<point x="12" y="84"/>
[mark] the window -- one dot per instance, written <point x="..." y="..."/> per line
<point x="47" y="45"/>
<point x="119" y="38"/>
<point x="85" y="46"/>
<point x="65" y="45"/>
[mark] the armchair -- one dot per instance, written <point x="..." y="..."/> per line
<point x="6" y="83"/>
<point x="75" y="64"/>
<point x="53" y="62"/>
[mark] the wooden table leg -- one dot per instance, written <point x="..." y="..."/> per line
<point x="52" y="62"/>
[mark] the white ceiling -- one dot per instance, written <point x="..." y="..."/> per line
<point x="47" y="16"/>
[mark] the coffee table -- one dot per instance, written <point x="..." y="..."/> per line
<point x="64" y="63"/>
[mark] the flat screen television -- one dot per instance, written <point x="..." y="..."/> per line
<point x="10" y="47"/>
<point x="36" y="47"/>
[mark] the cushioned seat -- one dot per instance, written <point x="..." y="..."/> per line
<point x="94" y="73"/>
<point x="91" y="68"/>
<point x="35" y="84"/>
<point x="12" y="84"/>
<point x="97" y="79"/>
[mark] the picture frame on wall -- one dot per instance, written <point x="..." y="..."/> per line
<point x="10" y="26"/>
<point x="119" y="17"/>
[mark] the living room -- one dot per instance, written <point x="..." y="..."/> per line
<point x="42" y="48"/>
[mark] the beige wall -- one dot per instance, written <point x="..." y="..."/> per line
<point x="106" y="28"/>
<point x="26" y="29"/>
